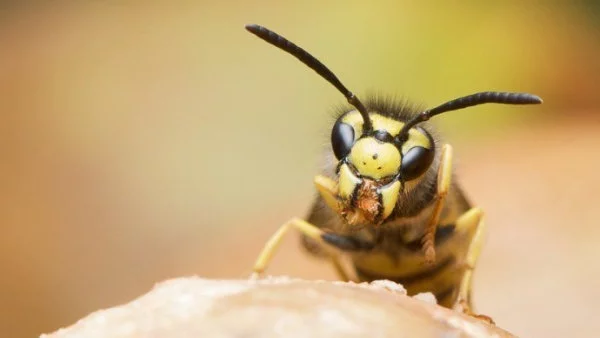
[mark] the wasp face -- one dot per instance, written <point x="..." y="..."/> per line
<point x="374" y="164"/>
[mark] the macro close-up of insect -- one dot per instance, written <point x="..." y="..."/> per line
<point x="300" y="169"/>
<point x="389" y="201"/>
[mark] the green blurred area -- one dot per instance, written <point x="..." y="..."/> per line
<point x="138" y="137"/>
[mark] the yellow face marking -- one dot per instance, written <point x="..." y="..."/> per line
<point x="389" y="197"/>
<point x="380" y="122"/>
<point x="328" y="190"/>
<point x="347" y="182"/>
<point x="393" y="127"/>
<point x="375" y="159"/>
<point x="385" y="123"/>
<point x="354" y="119"/>
<point x="416" y="139"/>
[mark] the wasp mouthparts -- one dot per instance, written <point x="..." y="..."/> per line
<point x="359" y="200"/>
<point x="365" y="207"/>
<point x="367" y="200"/>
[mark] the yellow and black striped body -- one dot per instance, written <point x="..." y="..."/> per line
<point x="397" y="254"/>
<point x="388" y="200"/>
<point x="393" y="249"/>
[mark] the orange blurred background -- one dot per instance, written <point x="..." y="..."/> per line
<point x="142" y="141"/>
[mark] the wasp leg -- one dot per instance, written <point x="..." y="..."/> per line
<point x="339" y="268"/>
<point x="344" y="243"/>
<point x="443" y="185"/>
<point x="472" y="224"/>
<point x="307" y="229"/>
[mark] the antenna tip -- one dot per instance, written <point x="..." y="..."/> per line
<point x="525" y="98"/>
<point x="536" y="99"/>
<point x="252" y="27"/>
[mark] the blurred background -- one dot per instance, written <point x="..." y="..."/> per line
<point x="142" y="141"/>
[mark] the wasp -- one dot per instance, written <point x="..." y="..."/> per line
<point x="389" y="202"/>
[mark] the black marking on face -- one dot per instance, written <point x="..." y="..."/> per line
<point x="353" y="197"/>
<point x="383" y="136"/>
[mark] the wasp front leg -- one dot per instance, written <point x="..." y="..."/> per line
<point x="472" y="224"/>
<point x="328" y="240"/>
<point x="444" y="177"/>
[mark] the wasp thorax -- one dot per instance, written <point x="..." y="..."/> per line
<point x="375" y="159"/>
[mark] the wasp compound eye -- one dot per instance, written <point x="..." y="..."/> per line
<point x="342" y="139"/>
<point x="416" y="161"/>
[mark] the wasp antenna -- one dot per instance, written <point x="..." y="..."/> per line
<point x="312" y="62"/>
<point x="469" y="101"/>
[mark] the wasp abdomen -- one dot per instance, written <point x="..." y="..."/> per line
<point x="441" y="279"/>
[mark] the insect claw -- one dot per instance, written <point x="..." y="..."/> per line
<point x="254" y="276"/>
<point x="464" y="307"/>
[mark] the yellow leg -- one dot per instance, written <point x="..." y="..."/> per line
<point x="472" y="225"/>
<point x="339" y="268"/>
<point x="443" y="185"/>
<point x="309" y="230"/>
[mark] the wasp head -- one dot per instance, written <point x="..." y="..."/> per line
<point x="375" y="161"/>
